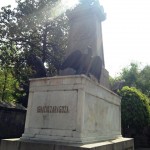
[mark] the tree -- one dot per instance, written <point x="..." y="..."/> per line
<point x="34" y="27"/>
<point x="130" y="74"/>
<point x="32" y="30"/>
<point x="134" y="76"/>
<point x="135" y="109"/>
<point x="8" y="84"/>
<point x="143" y="81"/>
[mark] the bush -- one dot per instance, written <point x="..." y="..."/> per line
<point x="135" y="109"/>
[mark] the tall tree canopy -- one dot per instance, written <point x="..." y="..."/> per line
<point x="34" y="27"/>
<point x="143" y="81"/>
<point x="134" y="76"/>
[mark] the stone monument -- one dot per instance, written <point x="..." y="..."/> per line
<point x="86" y="30"/>
<point x="74" y="112"/>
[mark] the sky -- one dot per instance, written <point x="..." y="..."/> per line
<point x="126" y="32"/>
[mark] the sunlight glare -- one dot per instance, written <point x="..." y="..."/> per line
<point x="62" y="6"/>
<point x="69" y="4"/>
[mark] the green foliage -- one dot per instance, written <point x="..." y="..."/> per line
<point x="38" y="27"/>
<point x="8" y="84"/>
<point x="113" y="80"/>
<point x="143" y="81"/>
<point x="130" y="74"/>
<point x="136" y="77"/>
<point x="135" y="109"/>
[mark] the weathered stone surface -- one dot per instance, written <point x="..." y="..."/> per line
<point x="71" y="109"/>
<point x="86" y="30"/>
<point x="16" y="144"/>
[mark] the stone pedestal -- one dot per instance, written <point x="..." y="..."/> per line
<point x="71" y="109"/>
<point x="17" y="144"/>
<point x="70" y="113"/>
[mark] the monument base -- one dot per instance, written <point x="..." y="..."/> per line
<point x="17" y="144"/>
<point x="71" y="109"/>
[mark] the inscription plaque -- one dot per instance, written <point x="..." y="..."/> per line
<point x="52" y="109"/>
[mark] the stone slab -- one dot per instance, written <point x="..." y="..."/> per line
<point x="72" y="109"/>
<point x="17" y="144"/>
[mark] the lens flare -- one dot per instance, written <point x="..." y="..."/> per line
<point x="69" y="4"/>
<point x="62" y="6"/>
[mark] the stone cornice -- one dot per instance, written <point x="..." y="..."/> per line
<point x="84" y="11"/>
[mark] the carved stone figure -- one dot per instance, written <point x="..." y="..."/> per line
<point x="84" y="63"/>
<point x="118" y="85"/>
<point x="86" y="30"/>
<point x="96" y="67"/>
<point x="37" y="65"/>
